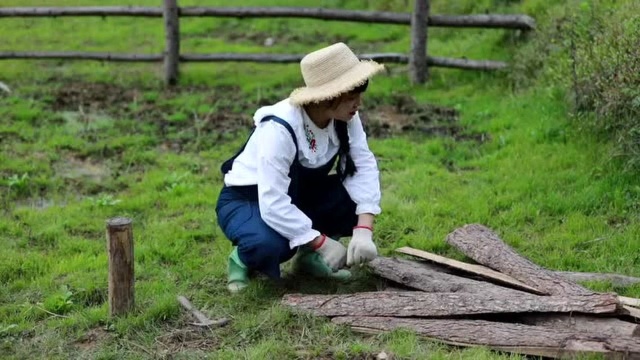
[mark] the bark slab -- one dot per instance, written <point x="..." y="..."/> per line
<point x="518" y="338"/>
<point x="413" y="303"/>
<point x="484" y="246"/>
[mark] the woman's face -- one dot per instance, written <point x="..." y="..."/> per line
<point x="345" y="107"/>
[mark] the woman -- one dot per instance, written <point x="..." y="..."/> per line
<point x="279" y="197"/>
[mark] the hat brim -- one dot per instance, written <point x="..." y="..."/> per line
<point x="353" y="78"/>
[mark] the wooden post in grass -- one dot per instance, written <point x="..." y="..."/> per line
<point x="121" y="275"/>
<point x="172" y="41"/>
<point x="418" y="70"/>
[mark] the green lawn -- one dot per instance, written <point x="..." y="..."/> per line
<point x="83" y="141"/>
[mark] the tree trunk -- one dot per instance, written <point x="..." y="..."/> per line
<point x="412" y="303"/>
<point x="484" y="246"/>
<point x="517" y="338"/>
<point x="418" y="276"/>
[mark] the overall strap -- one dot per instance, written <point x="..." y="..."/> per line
<point x="294" y="170"/>
<point x="287" y="126"/>
<point x="226" y="166"/>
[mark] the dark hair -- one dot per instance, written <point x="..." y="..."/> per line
<point x="344" y="155"/>
<point x="360" y="88"/>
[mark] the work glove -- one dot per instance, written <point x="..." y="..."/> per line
<point x="361" y="247"/>
<point x="332" y="252"/>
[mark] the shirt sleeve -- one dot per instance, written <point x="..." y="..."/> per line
<point x="276" y="152"/>
<point x="364" y="186"/>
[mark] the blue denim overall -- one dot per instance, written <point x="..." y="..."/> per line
<point x="320" y="196"/>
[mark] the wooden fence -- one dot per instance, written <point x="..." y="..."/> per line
<point x="418" y="60"/>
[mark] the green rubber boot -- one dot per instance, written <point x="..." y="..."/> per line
<point x="310" y="262"/>
<point x="238" y="273"/>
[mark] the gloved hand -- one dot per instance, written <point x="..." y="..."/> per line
<point x="361" y="247"/>
<point x="332" y="252"/>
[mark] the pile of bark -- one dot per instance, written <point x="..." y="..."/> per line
<point x="505" y="302"/>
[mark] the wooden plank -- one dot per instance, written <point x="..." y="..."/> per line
<point x="417" y="303"/>
<point x="629" y="301"/>
<point x="471" y="268"/>
<point x="630" y="311"/>
<point x="485" y="247"/>
<point x="515" y="338"/>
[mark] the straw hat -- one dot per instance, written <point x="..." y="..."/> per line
<point x="332" y="71"/>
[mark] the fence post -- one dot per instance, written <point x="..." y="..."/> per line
<point x="121" y="272"/>
<point x="418" y="70"/>
<point x="172" y="41"/>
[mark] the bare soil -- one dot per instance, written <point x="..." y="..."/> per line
<point x="394" y="115"/>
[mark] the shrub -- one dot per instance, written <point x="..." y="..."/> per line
<point x="591" y="50"/>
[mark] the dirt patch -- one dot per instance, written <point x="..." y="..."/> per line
<point x="186" y="339"/>
<point x="82" y="170"/>
<point x="92" y="339"/>
<point x="403" y="114"/>
<point x="200" y="116"/>
<point x="91" y="96"/>
<point x="180" y="117"/>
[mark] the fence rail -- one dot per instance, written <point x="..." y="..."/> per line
<point x="506" y="21"/>
<point x="256" y="58"/>
<point x="419" y="20"/>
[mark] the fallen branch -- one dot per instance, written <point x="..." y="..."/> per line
<point x="517" y="338"/>
<point x="413" y="303"/>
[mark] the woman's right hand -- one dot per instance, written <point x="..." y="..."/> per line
<point x="331" y="251"/>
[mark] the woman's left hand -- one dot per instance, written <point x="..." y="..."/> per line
<point x="361" y="247"/>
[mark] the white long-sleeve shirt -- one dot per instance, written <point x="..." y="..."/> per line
<point x="268" y="156"/>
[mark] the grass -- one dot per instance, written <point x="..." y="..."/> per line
<point x="134" y="149"/>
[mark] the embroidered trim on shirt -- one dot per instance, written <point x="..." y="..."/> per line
<point x="311" y="137"/>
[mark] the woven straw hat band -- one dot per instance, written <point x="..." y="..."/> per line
<point x="325" y="65"/>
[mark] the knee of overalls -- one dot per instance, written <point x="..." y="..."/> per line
<point x="262" y="248"/>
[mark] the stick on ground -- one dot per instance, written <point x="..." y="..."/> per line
<point x="203" y="320"/>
